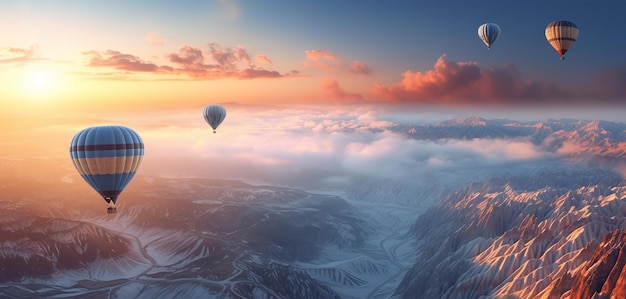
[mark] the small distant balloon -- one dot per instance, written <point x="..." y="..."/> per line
<point x="561" y="35"/>
<point x="214" y="115"/>
<point x="489" y="33"/>
<point x="107" y="158"/>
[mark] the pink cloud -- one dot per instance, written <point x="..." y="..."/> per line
<point x="451" y="82"/>
<point x="228" y="58"/>
<point x="190" y="61"/>
<point x="229" y="62"/>
<point x="331" y="89"/>
<point x="120" y="61"/>
<point x="213" y="63"/>
<point x="153" y="38"/>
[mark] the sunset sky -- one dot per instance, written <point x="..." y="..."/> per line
<point x="153" y="65"/>
<point x="103" y="53"/>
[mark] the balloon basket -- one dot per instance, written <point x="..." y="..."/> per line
<point x="111" y="210"/>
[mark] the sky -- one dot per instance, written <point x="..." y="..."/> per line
<point x="295" y="75"/>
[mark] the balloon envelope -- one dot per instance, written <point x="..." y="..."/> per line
<point x="214" y="115"/>
<point x="488" y="33"/>
<point x="107" y="158"/>
<point x="561" y="35"/>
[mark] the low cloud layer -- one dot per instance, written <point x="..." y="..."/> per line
<point x="310" y="147"/>
<point x="306" y="147"/>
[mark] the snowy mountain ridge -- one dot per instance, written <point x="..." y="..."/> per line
<point x="567" y="136"/>
<point x="514" y="236"/>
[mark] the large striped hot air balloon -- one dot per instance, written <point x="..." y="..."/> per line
<point x="488" y="33"/>
<point x="214" y="115"/>
<point x="561" y="35"/>
<point x="107" y="157"/>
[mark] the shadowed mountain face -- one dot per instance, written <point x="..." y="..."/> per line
<point x="38" y="247"/>
<point x="183" y="236"/>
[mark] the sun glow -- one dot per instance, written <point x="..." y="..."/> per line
<point x="40" y="81"/>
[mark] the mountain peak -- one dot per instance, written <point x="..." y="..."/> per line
<point x="605" y="273"/>
<point x="474" y="121"/>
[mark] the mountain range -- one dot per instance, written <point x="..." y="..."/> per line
<point x="552" y="226"/>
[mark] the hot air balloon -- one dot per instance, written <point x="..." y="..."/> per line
<point x="214" y="115"/>
<point x="107" y="158"/>
<point x="488" y="33"/>
<point x="561" y="35"/>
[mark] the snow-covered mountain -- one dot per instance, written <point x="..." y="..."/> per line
<point x="516" y="237"/>
<point x="529" y="228"/>
<point x="569" y="136"/>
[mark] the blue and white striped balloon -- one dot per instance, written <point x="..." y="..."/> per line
<point x="107" y="157"/>
<point x="488" y="33"/>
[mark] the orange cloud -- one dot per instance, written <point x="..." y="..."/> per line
<point x="317" y="55"/>
<point x="331" y="89"/>
<point x="324" y="60"/>
<point x="452" y="82"/>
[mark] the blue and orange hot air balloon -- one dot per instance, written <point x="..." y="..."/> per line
<point x="107" y="157"/>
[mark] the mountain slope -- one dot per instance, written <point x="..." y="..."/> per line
<point x="514" y="236"/>
<point x="602" y="276"/>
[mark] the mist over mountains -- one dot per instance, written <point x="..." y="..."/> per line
<point x="462" y="208"/>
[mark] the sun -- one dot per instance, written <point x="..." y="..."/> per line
<point x="40" y="81"/>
